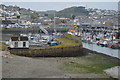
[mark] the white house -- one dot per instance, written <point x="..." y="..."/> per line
<point x="19" y="42"/>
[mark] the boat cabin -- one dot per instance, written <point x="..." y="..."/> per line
<point x="19" y="42"/>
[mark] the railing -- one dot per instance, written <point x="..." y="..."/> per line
<point x="44" y="30"/>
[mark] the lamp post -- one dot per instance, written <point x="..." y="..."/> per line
<point x="54" y="24"/>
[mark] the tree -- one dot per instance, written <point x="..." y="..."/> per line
<point x="34" y="15"/>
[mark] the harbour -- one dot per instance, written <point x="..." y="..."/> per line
<point x="73" y="42"/>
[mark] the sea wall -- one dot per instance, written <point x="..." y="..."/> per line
<point x="49" y="52"/>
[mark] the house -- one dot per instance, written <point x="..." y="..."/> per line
<point x="19" y="42"/>
<point x="25" y="16"/>
<point x="7" y="22"/>
<point x="25" y="22"/>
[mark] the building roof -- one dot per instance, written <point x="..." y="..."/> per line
<point x="21" y="38"/>
<point x="15" y="38"/>
<point x="7" y="22"/>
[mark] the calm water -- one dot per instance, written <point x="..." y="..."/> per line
<point x="104" y="50"/>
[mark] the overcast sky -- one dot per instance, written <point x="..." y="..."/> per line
<point x="43" y="6"/>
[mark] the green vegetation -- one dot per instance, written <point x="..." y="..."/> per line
<point x="92" y="64"/>
<point x="69" y="12"/>
<point x="3" y="46"/>
<point x="34" y="15"/>
<point x="74" y="38"/>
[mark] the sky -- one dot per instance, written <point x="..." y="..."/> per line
<point x="59" y="0"/>
<point x="43" y="6"/>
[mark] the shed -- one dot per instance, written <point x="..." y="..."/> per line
<point x="19" y="42"/>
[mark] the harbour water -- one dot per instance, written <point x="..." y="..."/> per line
<point x="104" y="50"/>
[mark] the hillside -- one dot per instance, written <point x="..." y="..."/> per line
<point x="73" y="11"/>
<point x="68" y="12"/>
<point x="51" y="11"/>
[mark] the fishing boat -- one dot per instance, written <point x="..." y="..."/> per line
<point x="109" y="44"/>
<point x="116" y="46"/>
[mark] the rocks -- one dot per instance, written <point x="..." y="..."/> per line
<point x="5" y="54"/>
